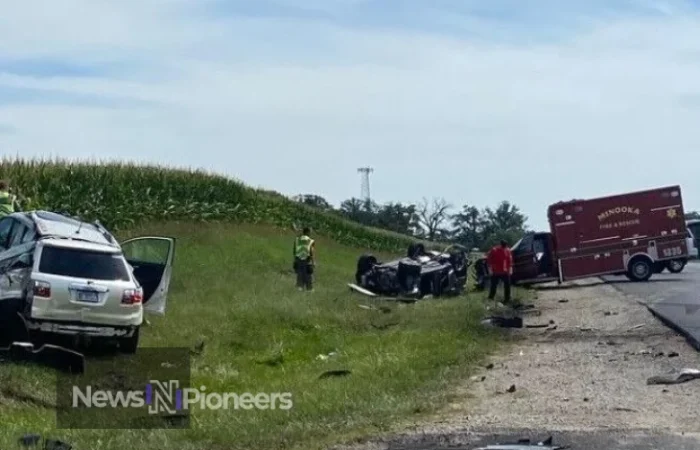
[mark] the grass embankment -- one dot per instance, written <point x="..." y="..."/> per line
<point x="233" y="288"/>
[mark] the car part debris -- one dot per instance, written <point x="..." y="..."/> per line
<point x="32" y="440"/>
<point x="29" y="440"/>
<point x="504" y="322"/>
<point x="60" y="358"/>
<point x="198" y="348"/>
<point x="334" y="373"/>
<point x="525" y="444"/>
<point x="419" y="275"/>
<point x="684" y="376"/>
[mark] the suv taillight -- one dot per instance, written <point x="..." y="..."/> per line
<point x="42" y="289"/>
<point x="132" y="296"/>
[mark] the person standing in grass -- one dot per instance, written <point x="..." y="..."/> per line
<point x="304" y="260"/>
<point x="8" y="201"/>
<point x="500" y="264"/>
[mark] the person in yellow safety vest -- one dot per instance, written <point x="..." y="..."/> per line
<point x="8" y="202"/>
<point x="304" y="255"/>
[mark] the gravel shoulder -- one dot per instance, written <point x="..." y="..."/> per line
<point x="587" y="375"/>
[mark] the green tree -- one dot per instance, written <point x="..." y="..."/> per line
<point x="692" y="215"/>
<point x="314" y="200"/>
<point x="398" y="217"/>
<point x="468" y="227"/>
<point x="360" y="211"/>
<point x="505" y="222"/>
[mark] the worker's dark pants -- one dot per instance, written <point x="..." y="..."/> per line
<point x="304" y="270"/>
<point x="495" y="279"/>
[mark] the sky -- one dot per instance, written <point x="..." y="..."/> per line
<point x="533" y="101"/>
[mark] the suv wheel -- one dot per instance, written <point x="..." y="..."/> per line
<point x="130" y="344"/>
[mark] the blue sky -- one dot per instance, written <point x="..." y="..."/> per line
<point x="529" y="101"/>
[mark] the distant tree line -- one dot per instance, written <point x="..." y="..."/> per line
<point x="433" y="220"/>
<point x="436" y="220"/>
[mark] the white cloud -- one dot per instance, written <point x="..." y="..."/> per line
<point x="298" y="105"/>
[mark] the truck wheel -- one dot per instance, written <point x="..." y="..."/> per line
<point x="130" y="344"/>
<point x="640" y="269"/>
<point x="676" y="265"/>
<point x="364" y="264"/>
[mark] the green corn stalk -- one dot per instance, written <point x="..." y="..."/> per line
<point x="123" y="195"/>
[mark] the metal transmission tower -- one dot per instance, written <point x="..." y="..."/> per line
<point x="365" y="171"/>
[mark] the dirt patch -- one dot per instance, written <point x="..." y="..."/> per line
<point x="590" y="373"/>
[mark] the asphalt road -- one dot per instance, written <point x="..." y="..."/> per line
<point x="594" y="440"/>
<point x="674" y="298"/>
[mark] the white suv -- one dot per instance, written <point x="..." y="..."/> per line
<point x="63" y="276"/>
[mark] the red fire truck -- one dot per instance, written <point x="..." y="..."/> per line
<point x="635" y="234"/>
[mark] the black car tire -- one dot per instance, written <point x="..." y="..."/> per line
<point x="364" y="265"/>
<point x="130" y="344"/>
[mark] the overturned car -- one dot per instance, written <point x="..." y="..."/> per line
<point x="421" y="273"/>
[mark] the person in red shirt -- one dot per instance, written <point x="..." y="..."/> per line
<point x="500" y="264"/>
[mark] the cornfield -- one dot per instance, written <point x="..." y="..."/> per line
<point x="123" y="195"/>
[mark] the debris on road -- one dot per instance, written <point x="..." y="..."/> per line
<point x="625" y="409"/>
<point x="684" y="376"/>
<point x="511" y="389"/>
<point x="673" y="354"/>
<point x="504" y="322"/>
<point x="525" y="444"/>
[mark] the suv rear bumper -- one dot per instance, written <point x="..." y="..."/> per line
<point x="77" y="328"/>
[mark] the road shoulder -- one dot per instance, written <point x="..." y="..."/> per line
<point x="588" y="375"/>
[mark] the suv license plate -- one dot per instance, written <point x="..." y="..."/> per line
<point x="87" y="296"/>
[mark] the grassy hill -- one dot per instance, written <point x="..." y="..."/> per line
<point x="233" y="289"/>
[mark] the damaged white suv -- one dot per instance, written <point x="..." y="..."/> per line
<point x="59" y="275"/>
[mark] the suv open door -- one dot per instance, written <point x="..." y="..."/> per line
<point x="152" y="260"/>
